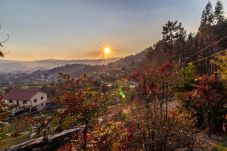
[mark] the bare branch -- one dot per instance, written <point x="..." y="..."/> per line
<point x="4" y="40"/>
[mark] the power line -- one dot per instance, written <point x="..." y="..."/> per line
<point x="207" y="47"/>
<point x="209" y="56"/>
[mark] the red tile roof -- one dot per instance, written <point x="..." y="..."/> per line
<point x="20" y="94"/>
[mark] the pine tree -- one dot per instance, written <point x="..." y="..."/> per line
<point x="205" y="29"/>
<point x="219" y="12"/>
<point x="207" y="18"/>
<point x="172" y="32"/>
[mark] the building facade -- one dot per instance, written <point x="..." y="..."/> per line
<point x="31" y="99"/>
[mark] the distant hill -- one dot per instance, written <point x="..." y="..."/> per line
<point x="72" y="69"/>
<point x="78" y="69"/>
<point x="10" y="66"/>
<point x="128" y="62"/>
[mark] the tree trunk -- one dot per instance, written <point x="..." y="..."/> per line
<point x="85" y="135"/>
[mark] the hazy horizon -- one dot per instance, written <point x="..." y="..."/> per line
<point x="72" y="30"/>
<point x="60" y="59"/>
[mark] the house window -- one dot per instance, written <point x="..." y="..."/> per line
<point x="35" y="100"/>
<point x="42" y="98"/>
<point x="24" y="102"/>
<point x="10" y="101"/>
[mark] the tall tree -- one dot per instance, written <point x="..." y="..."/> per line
<point x="219" y="12"/>
<point x="207" y="16"/>
<point x="172" y="32"/>
<point x="156" y="54"/>
<point x="206" y="36"/>
<point x="81" y="103"/>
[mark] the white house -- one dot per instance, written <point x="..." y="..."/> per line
<point x="32" y="99"/>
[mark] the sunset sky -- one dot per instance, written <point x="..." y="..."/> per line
<point x="78" y="29"/>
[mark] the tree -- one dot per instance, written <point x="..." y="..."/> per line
<point x="158" y="126"/>
<point x="3" y="111"/>
<point x="207" y="21"/>
<point x="206" y="37"/>
<point x="221" y="62"/>
<point x="190" y="45"/>
<point x="80" y="103"/>
<point x="219" y="12"/>
<point x="207" y="16"/>
<point x="1" y="44"/>
<point x="208" y="97"/>
<point x="156" y="55"/>
<point x="172" y="32"/>
<point x="203" y="97"/>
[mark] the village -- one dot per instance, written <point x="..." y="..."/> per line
<point x="41" y="104"/>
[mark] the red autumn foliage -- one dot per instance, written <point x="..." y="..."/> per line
<point x="66" y="147"/>
<point x="207" y="91"/>
<point x="166" y="66"/>
<point x="80" y="103"/>
<point x="129" y="136"/>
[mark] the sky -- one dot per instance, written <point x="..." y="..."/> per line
<point x="79" y="29"/>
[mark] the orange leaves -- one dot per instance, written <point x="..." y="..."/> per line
<point x="75" y="99"/>
<point x="114" y="136"/>
<point x="155" y="81"/>
<point x="207" y="90"/>
<point x="80" y="103"/>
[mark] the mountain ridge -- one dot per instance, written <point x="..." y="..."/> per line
<point x="14" y="66"/>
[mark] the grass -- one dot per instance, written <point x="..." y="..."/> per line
<point x="221" y="146"/>
<point x="24" y="130"/>
<point x="13" y="141"/>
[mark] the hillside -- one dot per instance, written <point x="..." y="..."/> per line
<point x="129" y="61"/>
<point x="78" y="69"/>
<point x="82" y="68"/>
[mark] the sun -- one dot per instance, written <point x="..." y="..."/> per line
<point x="107" y="50"/>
